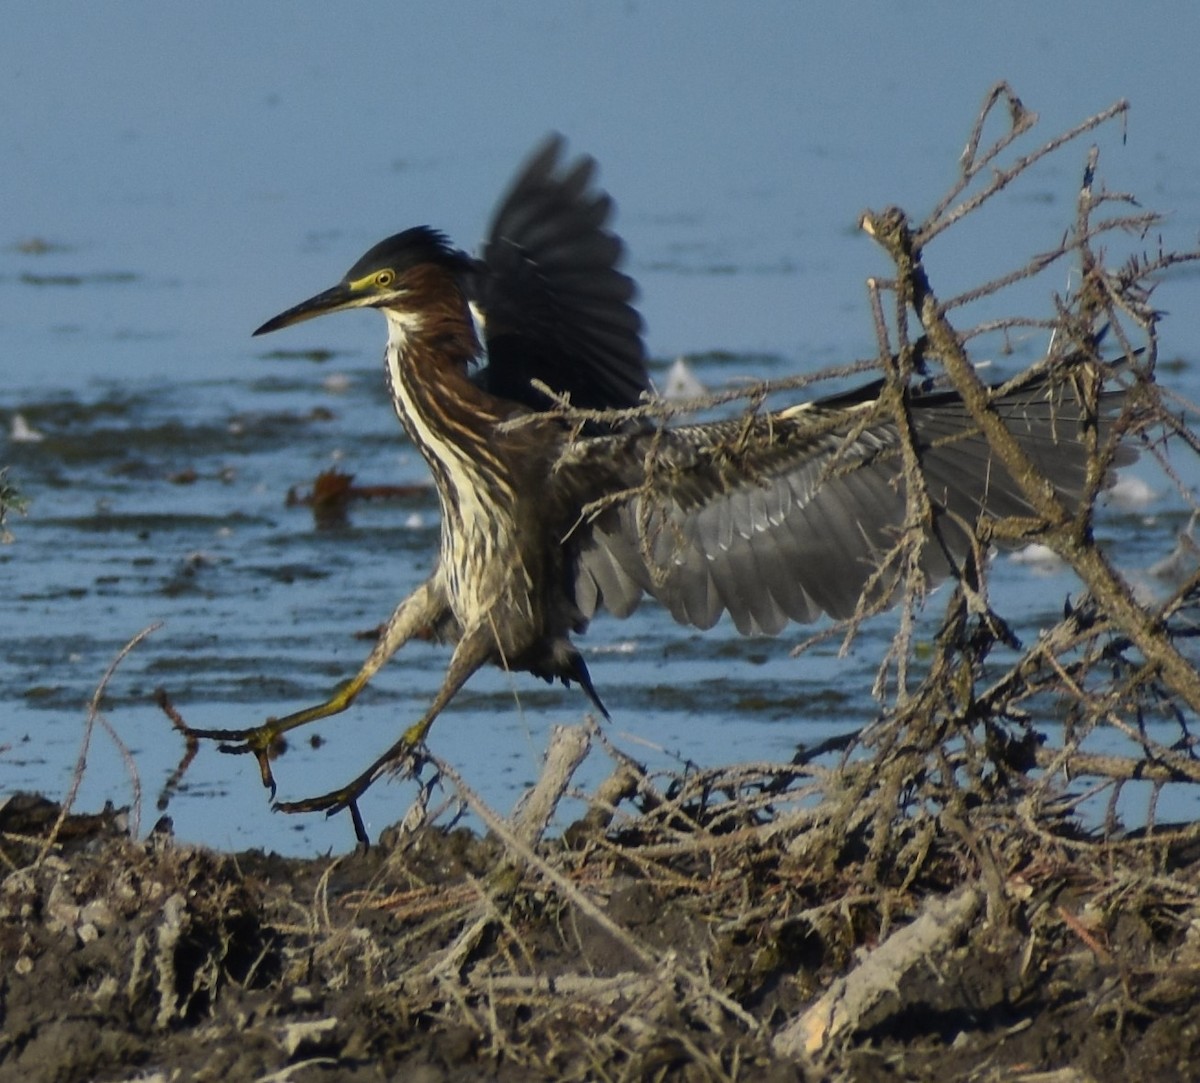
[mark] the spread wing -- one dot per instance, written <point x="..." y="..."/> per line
<point x="787" y="517"/>
<point x="555" y="306"/>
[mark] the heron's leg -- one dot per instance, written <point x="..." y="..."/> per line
<point x="473" y="650"/>
<point x="419" y="610"/>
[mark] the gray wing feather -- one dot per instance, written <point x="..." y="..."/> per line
<point x="790" y="525"/>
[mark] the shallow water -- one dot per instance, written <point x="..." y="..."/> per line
<point x="166" y="503"/>
<point x="147" y="234"/>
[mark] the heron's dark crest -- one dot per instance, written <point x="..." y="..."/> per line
<point x="408" y="249"/>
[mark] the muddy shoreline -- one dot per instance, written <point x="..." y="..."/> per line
<point x="705" y="944"/>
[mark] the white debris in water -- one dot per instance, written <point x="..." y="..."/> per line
<point x="681" y="382"/>
<point x="415" y="521"/>
<point x="336" y="383"/>
<point x="1041" y="558"/>
<point x="1131" y="494"/>
<point x="21" y="432"/>
<point x="625" y="646"/>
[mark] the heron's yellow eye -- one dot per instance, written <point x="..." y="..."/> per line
<point x="385" y="278"/>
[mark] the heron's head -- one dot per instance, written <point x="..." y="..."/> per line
<point x="397" y="274"/>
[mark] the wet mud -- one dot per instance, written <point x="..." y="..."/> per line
<point x="441" y="954"/>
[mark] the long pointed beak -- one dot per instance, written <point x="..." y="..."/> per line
<point x="331" y="300"/>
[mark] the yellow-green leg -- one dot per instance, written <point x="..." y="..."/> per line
<point x="418" y="611"/>
<point x="471" y="653"/>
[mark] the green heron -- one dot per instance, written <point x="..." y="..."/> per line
<point x="775" y="517"/>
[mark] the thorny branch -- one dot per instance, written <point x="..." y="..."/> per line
<point x="1114" y="662"/>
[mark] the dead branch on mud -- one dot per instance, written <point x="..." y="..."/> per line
<point x="96" y="717"/>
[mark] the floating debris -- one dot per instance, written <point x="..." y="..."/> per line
<point x="77" y="279"/>
<point x="332" y="492"/>
<point x="681" y="382"/>
<point x="39" y="246"/>
<point x="1181" y="561"/>
<point x="316" y="355"/>
<point x="1040" y="558"/>
<point x="1131" y="494"/>
<point x="21" y="432"/>
<point x="10" y="501"/>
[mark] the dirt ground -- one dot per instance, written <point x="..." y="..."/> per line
<point x="720" y="952"/>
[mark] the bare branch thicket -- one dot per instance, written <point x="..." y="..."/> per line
<point x="1112" y="663"/>
<point x="985" y="738"/>
<point x="982" y="725"/>
<point x="986" y="750"/>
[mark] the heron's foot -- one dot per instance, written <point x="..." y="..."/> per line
<point x="401" y="755"/>
<point x="260" y="741"/>
<point x="333" y="802"/>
